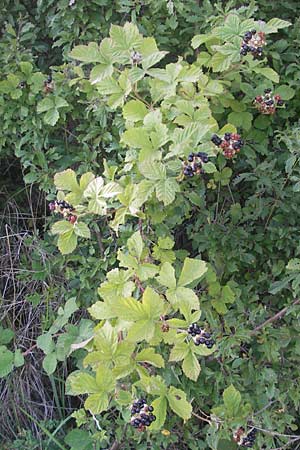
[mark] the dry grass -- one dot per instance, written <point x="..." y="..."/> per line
<point x="20" y="245"/>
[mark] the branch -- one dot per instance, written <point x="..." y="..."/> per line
<point x="277" y="316"/>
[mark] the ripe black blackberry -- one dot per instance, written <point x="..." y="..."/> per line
<point x="193" y="165"/>
<point x="141" y="415"/>
<point x="253" y="43"/>
<point x="200" y="336"/>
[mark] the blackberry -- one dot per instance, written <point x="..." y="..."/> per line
<point x="49" y="79"/>
<point x="202" y="340"/>
<point x="190" y="158"/>
<point x="227" y="136"/>
<point x="280" y="103"/>
<point x="22" y="84"/>
<point x="267" y="91"/>
<point x="150" y="408"/>
<point x="247" y="36"/>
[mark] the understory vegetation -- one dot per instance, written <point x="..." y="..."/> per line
<point x="149" y="225"/>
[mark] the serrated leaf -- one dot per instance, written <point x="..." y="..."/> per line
<point x="100" y="72"/>
<point x="135" y="245"/>
<point x="81" y="383"/>
<point x="61" y="227"/>
<point x="149" y="356"/>
<point x="96" y="403"/>
<point x="191" y="366"/>
<point x="191" y="271"/>
<point x="167" y="276"/>
<point x="179" y="404"/>
<point x="79" y="439"/>
<point x="232" y="400"/>
<point x="166" y="190"/>
<point x="268" y="73"/>
<point x="67" y="242"/>
<point x="51" y="117"/>
<point x="104" y="379"/>
<point x="134" y="110"/>
<point x="153" y="59"/>
<point x="275" y="24"/>
<point x="111" y="189"/>
<point x="179" y="352"/>
<point x="86" y="53"/>
<point x="81" y="229"/>
<point x="160" y="411"/>
<point x="66" y="180"/>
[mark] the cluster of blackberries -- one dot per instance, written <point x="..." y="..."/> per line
<point x="267" y="103"/>
<point x="230" y="144"/>
<point x="253" y="43"/>
<point x="141" y="415"/>
<point x="200" y="336"/>
<point x="244" y="439"/>
<point x="194" y="163"/>
<point x="136" y="57"/>
<point x="63" y="208"/>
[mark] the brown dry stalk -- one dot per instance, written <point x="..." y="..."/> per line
<point x="272" y="319"/>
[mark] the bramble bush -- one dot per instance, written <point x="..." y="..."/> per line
<point x="175" y="199"/>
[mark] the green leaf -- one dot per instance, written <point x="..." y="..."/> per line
<point x="104" y="379"/>
<point x="79" y="439"/>
<point x="167" y="276"/>
<point x="86" y="53"/>
<point x="96" y="403"/>
<point x="93" y="192"/>
<point x="18" y="358"/>
<point x="160" y="411"/>
<point x="66" y="180"/>
<point x="179" y="352"/>
<point x="232" y="400"/>
<point x="275" y="24"/>
<point x="45" y="105"/>
<point x="285" y="92"/>
<point x="166" y="190"/>
<point x="6" y="361"/>
<point x="81" y="383"/>
<point x="268" y="73"/>
<point x="152" y="303"/>
<point x="81" y="229"/>
<point x="100" y="72"/>
<point x="135" y="245"/>
<point x="51" y="117"/>
<point x="191" y="366"/>
<point x="67" y="242"/>
<point x="192" y="270"/>
<point x="45" y="343"/>
<point x="6" y="335"/>
<point x="134" y="110"/>
<point x="149" y="356"/>
<point x="61" y="227"/>
<point x="179" y="404"/>
<point x="137" y="138"/>
<point x="50" y="363"/>
<point x="241" y="119"/>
